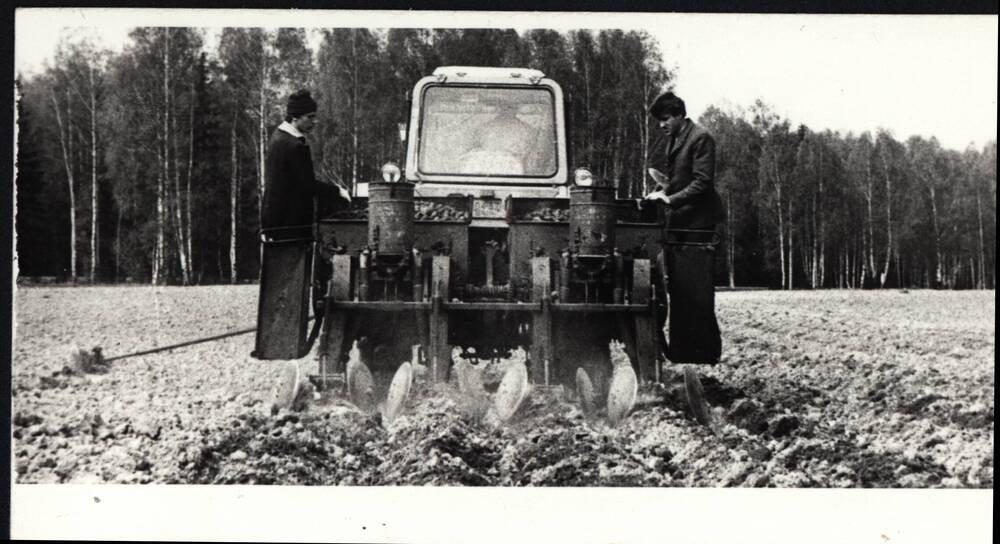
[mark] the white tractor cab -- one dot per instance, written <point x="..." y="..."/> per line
<point x="485" y="132"/>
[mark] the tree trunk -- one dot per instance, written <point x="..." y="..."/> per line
<point x="261" y="135"/>
<point x="820" y="228"/>
<point x="849" y="258"/>
<point x="731" y="245"/>
<point x="781" y="240"/>
<point x="839" y="270"/>
<point x="974" y="272"/>
<point x="178" y="204"/>
<point x="937" y="233"/>
<point x="234" y="189"/>
<point x="822" y="258"/>
<point x="67" y="152"/>
<point x="791" y="246"/>
<point x="118" y="245"/>
<point x="179" y="210"/>
<point x="644" y="132"/>
<point x="638" y="185"/>
<point x="899" y="270"/>
<point x="888" y="223"/>
<point x="190" y="167"/>
<point x="588" y="145"/>
<point x="857" y="267"/>
<point x="94" y="254"/>
<point x="851" y="274"/>
<point x="982" y="245"/>
<point x="843" y="268"/>
<point x="616" y="158"/>
<point x="354" y="110"/>
<point x="849" y="267"/>
<point x="158" y="249"/>
<point x="814" y="259"/>
<point x="164" y="178"/>
<point x="869" y="197"/>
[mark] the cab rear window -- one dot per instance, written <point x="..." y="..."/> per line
<point x="498" y="132"/>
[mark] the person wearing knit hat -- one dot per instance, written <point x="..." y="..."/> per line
<point x="299" y="104"/>
<point x="287" y="220"/>
<point x="290" y="184"/>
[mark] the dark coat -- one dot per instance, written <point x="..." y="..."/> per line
<point x="688" y="161"/>
<point x="290" y="184"/>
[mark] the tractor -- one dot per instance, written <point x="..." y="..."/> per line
<point x="484" y="240"/>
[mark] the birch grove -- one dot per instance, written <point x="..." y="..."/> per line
<point x="150" y="160"/>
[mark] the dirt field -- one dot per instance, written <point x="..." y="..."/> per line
<point x="827" y="389"/>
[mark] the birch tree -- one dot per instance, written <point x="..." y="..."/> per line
<point x="81" y="67"/>
<point x="860" y="171"/>
<point x="888" y="152"/>
<point x="349" y="85"/>
<point x="249" y="66"/>
<point x="234" y="194"/>
<point x="982" y="168"/>
<point x="776" y="162"/>
<point x="927" y="164"/>
<point x="737" y="154"/>
<point x="66" y="145"/>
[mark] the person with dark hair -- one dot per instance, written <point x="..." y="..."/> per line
<point x="684" y="169"/>
<point x="688" y="167"/>
<point x="290" y="184"/>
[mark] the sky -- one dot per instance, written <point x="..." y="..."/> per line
<point x="932" y="75"/>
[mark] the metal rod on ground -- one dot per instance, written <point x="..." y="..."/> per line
<point x="184" y="344"/>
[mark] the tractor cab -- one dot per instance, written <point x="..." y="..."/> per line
<point x="479" y="130"/>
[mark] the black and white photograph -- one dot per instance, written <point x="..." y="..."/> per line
<point x="427" y="259"/>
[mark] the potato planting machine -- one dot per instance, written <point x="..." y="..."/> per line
<point x="484" y="240"/>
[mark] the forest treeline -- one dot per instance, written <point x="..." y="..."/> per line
<point x="146" y="164"/>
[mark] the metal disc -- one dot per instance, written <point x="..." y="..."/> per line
<point x="399" y="392"/>
<point x="512" y="391"/>
<point x="287" y="387"/>
<point x="585" y="390"/>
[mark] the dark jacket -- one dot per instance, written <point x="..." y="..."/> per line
<point x="688" y="160"/>
<point x="290" y="184"/>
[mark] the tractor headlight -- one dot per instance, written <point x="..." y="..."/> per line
<point x="391" y="172"/>
<point x="583" y="177"/>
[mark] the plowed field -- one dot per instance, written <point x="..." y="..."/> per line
<point x="815" y="389"/>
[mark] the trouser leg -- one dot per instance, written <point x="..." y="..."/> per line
<point x="694" y="331"/>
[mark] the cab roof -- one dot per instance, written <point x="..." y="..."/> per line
<point x="482" y="74"/>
